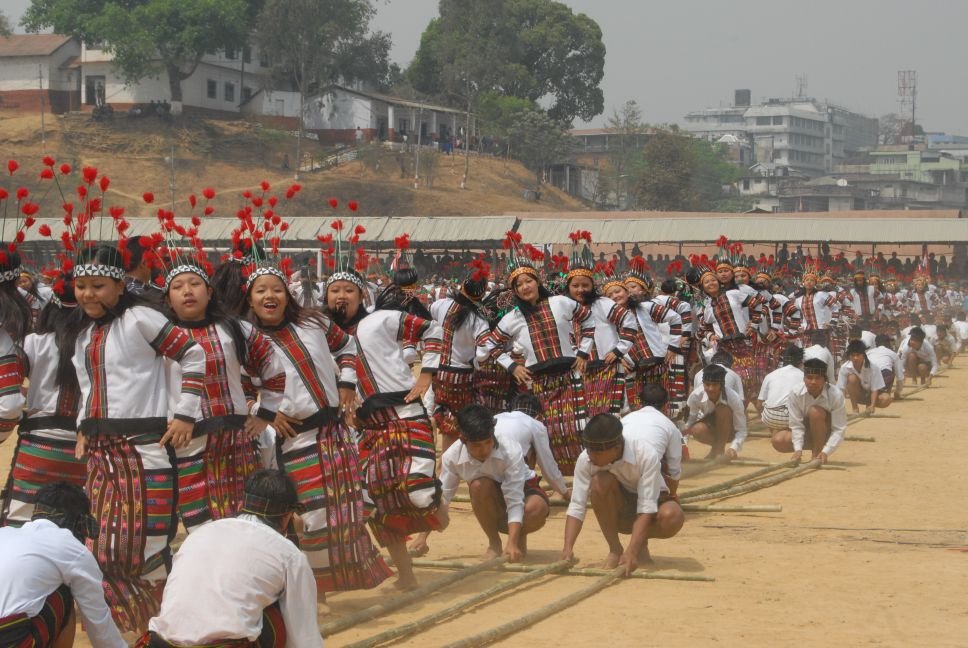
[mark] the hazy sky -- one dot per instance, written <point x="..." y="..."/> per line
<point x="673" y="56"/>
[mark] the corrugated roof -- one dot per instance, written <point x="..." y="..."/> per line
<point x="31" y="44"/>
<point x="751" y="229"/>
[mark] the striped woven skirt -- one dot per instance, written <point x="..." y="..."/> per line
<point x="453" y="390"/>
<point x="651" y="374"/>
<point x="21" y="631"/>
<point x="131" y="483"/>
<point x="399" y="468"/>
<point x="211" y="474"/>
<point x="324" y="463"/>
<point x="744" y="363"/>
<point x="41" y="457"/>
<point x="493" y="386"/>
<point x="562" y="396"/>
<point x="776" y="418"/>
<point x="604" y="389"/>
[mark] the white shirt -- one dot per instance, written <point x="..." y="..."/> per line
<point x="820" y="352"/>
<point x="869" y="339"/>
<point x="700" y="406"/>
<point x="870" y="376"/>
<point x="830" y="399"/>
<point x="463" y="340"/>
<point x="925" y="354"/>
<point x="778" y="384"/>
<point x="733" y="381"/>
<point x="225" y="574"/>
<point x="886" y="359"/>
<point x="638" y="470"/>
<point x="655" y="428"/>
<point x="961" y="330"/>
<point x="529" y="433"/>
<point x="38" y="558"/>
<point x="505" y="465"/>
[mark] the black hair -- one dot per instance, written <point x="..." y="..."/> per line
<point x="136" y="253"/>
<point x="941" y="327"/>
<point x="15" y="313"/>
<point x="590" y="297"/>
<point x="856" y="332"/>
<point x="817" y="365"/>
<point x="476" y="423"/>
<point x="603" y="430"/>
<point x="818" y="336"/>
<point x="669" y="286"/>
<point x="693" y="275"/>
<point x="293" y="313"/>
<point x="67" y="506"/>
<point x="792" y="356"/>
<point x="395" y="298"/>
<point x="405" y="276"/>
<point x="856" y="346"/>
<point x="654" y="395"/>
<point x="228" y="287"/>
<point x="275" y="487"/>
<point x="917" y="333"/>
<point x="528" y="403"/>
<point x="465" y="307"/>
<point x="915" y="319"/>
<point x="882" y="339"/>
<point x="714" y="373"/>
<point x="722" y="357"/>
<point x="57" y="320"/>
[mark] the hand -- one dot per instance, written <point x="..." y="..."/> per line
<point x="255" y="426"/>
<point x="869" y="411"/>
<point x="927" y="382"/>
<point x="513" y="552"/>
<point x="579" y="365"/>
<point x="178" y="432"/>
<point x="629" y="562"/>
<point x="822" y="458"/>
<point x="522" y="375"/>
<point x="284" y="425"/>
<point x="420" y="388"/>
<point x="347" y="399"/>
<point x="771" y="336"/>
<point x="567" y="494"/>
<point x="731" y="453"/>
<point x="797" y="456"/>
<point x="669" y="357"/>
<point x="80" y="449"/>
<point x="611" y="358"/>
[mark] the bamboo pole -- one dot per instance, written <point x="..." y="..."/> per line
<point x="397" y="602"/>
<point x="760" y="483"/>
<point x="424" y="623"/>
<point x="847" y="437"/>
<point x="685" y="507"/>
<point x="718" y="462"/>
<point x="574" y="571"/>
<point x="502" y="631"/>
<point x="736" y="480"/>
<point x="732" y="508"/>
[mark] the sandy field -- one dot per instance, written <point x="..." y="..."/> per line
<point x="875" y="555"/>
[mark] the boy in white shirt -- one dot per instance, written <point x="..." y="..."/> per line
<point x="623" y="478"/>
<point x="818" y="415"/>
<point x="717" y="415"/>
<point x="504" y="493"/>
<point x="861" y="381"/>
<point x="918" y="356"/>
<point x="885" y="359"/>
<point x="776" y="388"/>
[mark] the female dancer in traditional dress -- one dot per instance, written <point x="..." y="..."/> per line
<point x="47" y="435"/>
<point x="213" y="466"/>
<point x="316" y="449"/>
<point x="119" y="359"/>
<point x="728" y="320"/>
<point x="396" y="443"/>
<point x="15" y="318"/>
<point x="542" y="326"/>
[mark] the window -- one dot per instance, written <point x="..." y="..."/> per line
<point x="778" y="121"/>
<point x="746" y="185"/>
<point x="404" y="127"/>
<point x="211" y="89"/>
<point x="229" y="91"/>
<point x="264" y="60"/>
<point x="246" y="54"/>
<point x="246" y="93"/>
<point x="762" y="121"/>
<point x="230" y="54"/>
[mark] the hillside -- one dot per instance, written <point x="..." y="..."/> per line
<point x="234" y="155"/>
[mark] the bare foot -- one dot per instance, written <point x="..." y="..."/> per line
<point x="523" y="543"/>
<point x="611" y="561"/>
<point x="405" y="584"/>
<point x="322" y="608"/>
<point x="644" y="557"/>
<point x="713" y="453"/>
<point x="419" y="547"/>
<point x="493" y="551"/>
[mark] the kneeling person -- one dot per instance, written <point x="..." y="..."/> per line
<point x="861" y="381"/>
<point x="240" y="581"/>
<point x="504" y="492"/>
<point x="818" y="415"/>
<point x="717" y="414"/>
<point x="45" y="568"/>
<point x="623" y="477"/>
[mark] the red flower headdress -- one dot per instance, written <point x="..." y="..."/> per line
<point x="346" y="259"/>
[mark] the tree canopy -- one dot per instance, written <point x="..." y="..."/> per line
<point x="5" y="28"/>
<point x="537" y="50"/>
<point x="538" y="141"/>
<point x="146" y="37"/>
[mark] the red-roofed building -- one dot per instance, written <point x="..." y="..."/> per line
<point x="40" y="68"/>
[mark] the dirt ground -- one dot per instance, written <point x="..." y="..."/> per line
<point x="874" y="555"/>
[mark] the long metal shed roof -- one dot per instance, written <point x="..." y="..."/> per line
<point x="750" y="230"/>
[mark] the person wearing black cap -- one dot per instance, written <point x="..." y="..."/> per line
<point x="623" y="477"/>
<point x="861" y="381"/>
<point x="717" y="414"/>
<point x="818" y="415"/>
<point x="45" y="569"/>
<point x="240" y="580"/>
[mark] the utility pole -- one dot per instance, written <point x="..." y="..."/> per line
<point x="43" y="129"/>
<point x="416" y="151"/>
<point x="171" y="180"/>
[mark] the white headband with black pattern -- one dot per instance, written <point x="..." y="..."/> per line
<point x="182" y="269"/>
<point x="99" y="270"/>
<point x="351" y="277"/>
<point x="263" y="271"/>
<point x="10" y="275"/>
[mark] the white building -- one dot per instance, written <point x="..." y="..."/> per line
<point x="37" y="68"/>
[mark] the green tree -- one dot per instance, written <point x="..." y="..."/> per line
<point x="5" y="28"/>
<point x="683" y="173"/>
<point x="315" y="42"/>
<point x="626" y="158"/>
<point x="147" y="37"/>
<point x="531" y="49"/>
<point x="539" y="141"/>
